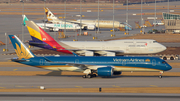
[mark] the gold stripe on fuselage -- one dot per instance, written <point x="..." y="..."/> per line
<point x="117" y="68"/>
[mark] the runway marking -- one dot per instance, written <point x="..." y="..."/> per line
<point x="79" y="86"/>
<point x="15" y="69"/>
<point x="115" y="86"/>
<point x="153" y="86"/>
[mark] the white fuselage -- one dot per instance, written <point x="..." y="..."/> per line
<point x="59" y="25"/>
<point x="87" y="22"/>
<point x="127" y="46"/>
<point x="102" y="23"/>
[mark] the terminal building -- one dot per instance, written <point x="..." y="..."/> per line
<point x="171" y="22"/>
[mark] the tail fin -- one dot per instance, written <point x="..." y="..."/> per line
<point x="50" y="15"/>
<point x="25" y="19"/>
<point x="39" y="36"/>
<point x="21" y="50"/>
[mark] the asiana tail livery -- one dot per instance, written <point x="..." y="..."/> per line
<point x="90" y="48"/>
<point x="91" y="66"/>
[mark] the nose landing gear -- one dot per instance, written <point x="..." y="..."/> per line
<point x="160" y="76"/>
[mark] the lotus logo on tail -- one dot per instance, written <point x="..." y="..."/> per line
<point x="22" y="52"/>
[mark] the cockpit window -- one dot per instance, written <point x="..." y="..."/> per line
<point x="163" y="62"/>
<point x="154" y="41"/>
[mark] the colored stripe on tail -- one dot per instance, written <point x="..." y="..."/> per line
<point x="21" y="50"/>
<point x="40" y="36"/>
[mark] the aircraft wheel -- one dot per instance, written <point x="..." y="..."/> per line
<point x="84" y="76"/>
<point x="160" y="76"/>
<point x="94" y="75"/>
<point x="89" y="76"/>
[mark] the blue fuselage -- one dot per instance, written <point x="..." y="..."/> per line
<point x="119" y="63"/>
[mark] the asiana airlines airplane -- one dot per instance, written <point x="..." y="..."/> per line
<point x="91" y="66"/>
<point x="90" y="48"/>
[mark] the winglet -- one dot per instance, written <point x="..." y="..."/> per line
<point x="25" y="19"/>
<point x="21" y="50"/>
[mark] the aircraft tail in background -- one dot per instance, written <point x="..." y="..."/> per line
<point x="21" y="50"/>
<point x="50" y="15"/>
<point x="25" y="19"/>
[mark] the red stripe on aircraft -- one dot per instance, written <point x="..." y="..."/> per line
<point x="49" y="40"/>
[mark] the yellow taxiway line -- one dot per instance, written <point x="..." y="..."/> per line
<point x="104" y="90"/>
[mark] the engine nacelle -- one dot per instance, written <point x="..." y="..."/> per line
<point x="110" y="54"/>
<point x="87" y="53"/>
<point x="54" y="29"/>
<point x="105" y="71"/>
<point x="89" y="27"/>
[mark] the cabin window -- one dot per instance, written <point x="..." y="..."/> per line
<point x="154" y="41"/>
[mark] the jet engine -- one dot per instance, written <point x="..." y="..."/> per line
<point x="105" y="71"/>
<point x="53" y="29"/>
<point x="89" y="27"/>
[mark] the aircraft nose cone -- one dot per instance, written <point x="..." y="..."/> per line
<point x="169" y="67"/>
<point x="164" y="48"/>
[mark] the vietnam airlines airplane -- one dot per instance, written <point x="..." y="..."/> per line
<point x="90" y="48"/>
<point x="54" y="26"/>
<point x="91" y="66"/>
<point x="88" y="24"/>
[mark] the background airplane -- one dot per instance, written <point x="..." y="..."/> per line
<point x="90" y="65"/>
<point x="88" y="24"/>
<point x="55" y="26"/>
<point x="89" y="48"/>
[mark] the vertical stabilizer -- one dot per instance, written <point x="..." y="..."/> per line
<point x="50" y="15"/>
<point x="21" y="50"/>
<point x="38" y="35"/>
<point x="25" y="19"/>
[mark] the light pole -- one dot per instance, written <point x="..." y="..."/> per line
<point x="80" y="17"/>
<point x="168" y="7"/>
<point x="113" y="17"/>
<point x="6" y="42"/>
<point x="155" y="16"/>
<point x="168" y="10"/>
<point x="98" y="16"/>
<point x="22" y="21"/>
<point x="45" y="16"/>
<point x="127" y="16"/>
<point x="65" y="17"/>
<point x="142" y="26"/>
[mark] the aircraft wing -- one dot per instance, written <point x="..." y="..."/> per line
<point x="101" y="52"/>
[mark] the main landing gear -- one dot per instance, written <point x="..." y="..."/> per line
<point x="160" y="76"/>
<point x="89" y="76"/>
